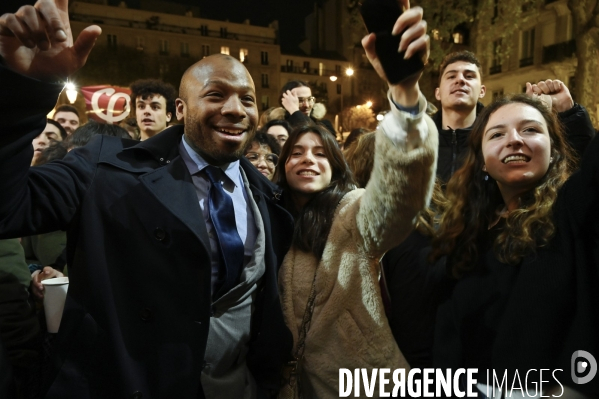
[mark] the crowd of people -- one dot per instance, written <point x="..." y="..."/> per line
<point x="238" y="255"/>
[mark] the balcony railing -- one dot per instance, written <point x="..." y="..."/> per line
<point x="309" y="71"/>
<point x="526" y="61"/>
<point x="559" y="51"/>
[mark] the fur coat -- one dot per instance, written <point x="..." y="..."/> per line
<point x="349" y="328"/>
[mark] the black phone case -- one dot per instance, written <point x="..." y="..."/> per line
<point x="379" y="16"/>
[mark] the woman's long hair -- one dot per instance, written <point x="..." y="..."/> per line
<point x="313" y="222"/>
<point x="473" y="200"/>
<point x="360" y="157"/>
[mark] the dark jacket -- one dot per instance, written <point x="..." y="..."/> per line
<point x="138" y="308"/>
<point x="453" y="143"/>
<point x="538" y="313"/>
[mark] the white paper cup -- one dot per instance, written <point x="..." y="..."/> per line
<point x="55" y="294"/>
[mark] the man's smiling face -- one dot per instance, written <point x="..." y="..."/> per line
<point x="218" y="106"/>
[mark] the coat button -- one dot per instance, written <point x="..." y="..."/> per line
<point x="146" y="314"/>
<point x="137" y="395"/>
<point x="159" y="234"/>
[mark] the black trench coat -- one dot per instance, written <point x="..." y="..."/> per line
<point x="138" y="308"/>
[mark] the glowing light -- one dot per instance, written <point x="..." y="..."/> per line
<point x="71" y="92"/>
<point x="368" y="104"/>
<point x="380" y="117"/>
<point x="349" y="72"/>
<point x="333" y="78"/>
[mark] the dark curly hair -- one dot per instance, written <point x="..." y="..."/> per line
<point x="264" y="139"/>
<point x="147" y="88"/>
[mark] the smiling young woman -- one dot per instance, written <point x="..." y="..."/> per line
<point x="518" y="247"/>
<point x="527" y="135"/>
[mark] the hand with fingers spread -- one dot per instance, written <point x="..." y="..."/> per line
<point x="290" y="102"/>
<point x="37" y="41"/>
<point x="414" y="41"/>
<point x="553" y="92"/>
<point x="37" y="288"/>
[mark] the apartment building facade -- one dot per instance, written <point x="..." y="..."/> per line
<point x="542" y="48"/>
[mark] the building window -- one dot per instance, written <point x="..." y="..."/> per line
<point x="163" y="69"/>
<point x="243" y="55"/>
<point x="496" y="60"/>
<point x="338" y="88"/>
<point x="264" y="57"/>
<point x="265" y="80"/>
<point x="306" y="67"/>
<point x="289" y="65"/>
<point x="205" y="50"/>
<point x="112" y="42"/>
<point x="224" y="50"/>
<point x="527" y="48"/>
<point x="184" y="49"/>
<point x="321" y="69"/>
<point x="223" y="32"/>
<point x="338" y="70"/>
<point x="495" y="11"/>
<point x="204" y="30"/>
<point x="458" y="38"/>
<point x="164" y="47"/>
<point x="141" y="43"/>
<point x="497" y="94"/>
<point x="265" y="103"/>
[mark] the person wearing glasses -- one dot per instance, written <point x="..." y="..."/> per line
<point x="298" y="101"/>
<point x="263" y="152"/>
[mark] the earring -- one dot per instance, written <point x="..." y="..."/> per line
<point x="486" y="177"/>
<point x="550" y="159"/>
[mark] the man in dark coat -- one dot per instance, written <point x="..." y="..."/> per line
<point x="146" y="314"/>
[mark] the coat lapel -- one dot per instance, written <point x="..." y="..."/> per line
<point x="172" y="186"/>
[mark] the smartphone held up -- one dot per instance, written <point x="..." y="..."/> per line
<point x="380" y="16"/>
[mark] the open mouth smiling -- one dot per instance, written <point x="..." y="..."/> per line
<point x="307" y="173"/>
<point x="231" y="132"/>
<point x="517" y="158"/>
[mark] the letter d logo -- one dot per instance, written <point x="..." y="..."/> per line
<point x="580" y="367"/>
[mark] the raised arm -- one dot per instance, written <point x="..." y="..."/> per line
<point x="37" y="41"/>
<point x="37" y="51"/>
<point x="406" y="148"/>
<point x="575" y="118"/>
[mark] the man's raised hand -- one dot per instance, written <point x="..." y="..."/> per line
<point x="37" y="41"/>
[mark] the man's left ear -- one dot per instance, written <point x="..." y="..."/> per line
<point x="483" y="91"/>
<point x="180" y="109"/>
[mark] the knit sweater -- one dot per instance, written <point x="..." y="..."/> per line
<point x="349" y="328"/>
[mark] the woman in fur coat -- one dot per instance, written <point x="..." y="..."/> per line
<point x="329" y="278"/>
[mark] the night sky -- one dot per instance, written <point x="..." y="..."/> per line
<point x="291" y="14"/>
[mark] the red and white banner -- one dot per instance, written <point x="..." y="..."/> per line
<point x="107" y="104"/>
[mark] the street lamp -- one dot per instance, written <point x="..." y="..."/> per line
<point x="349" y="71"/>
<point x="333" y="78"/>
<point x="71" y="92"/>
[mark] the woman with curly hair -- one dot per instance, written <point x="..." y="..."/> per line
<point x="519" y="240"/>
